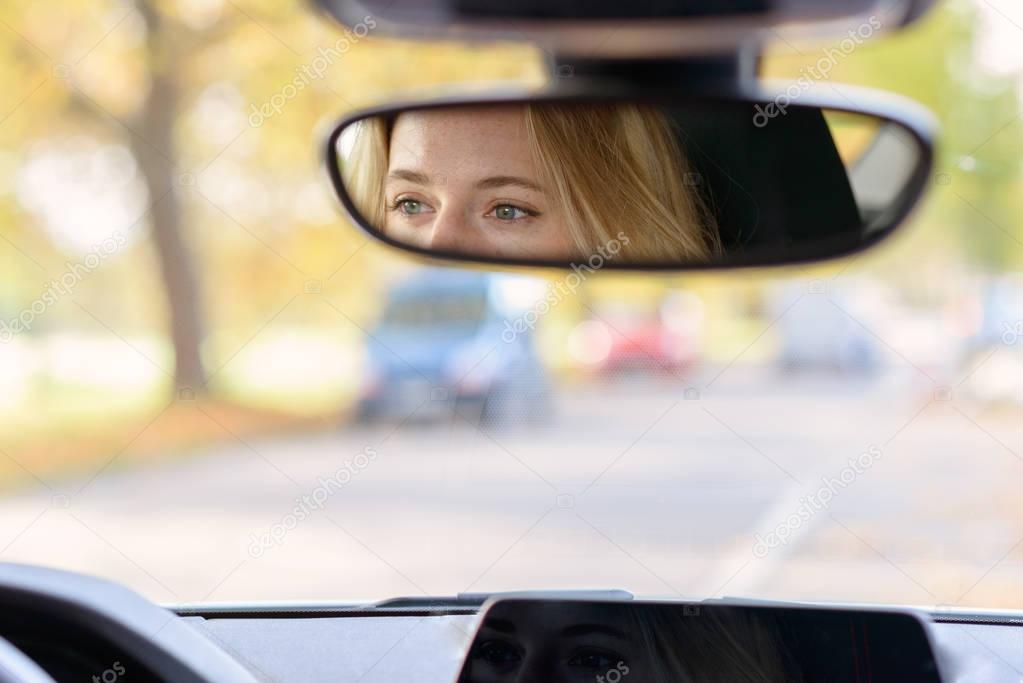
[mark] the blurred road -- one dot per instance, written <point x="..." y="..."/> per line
<point x="636" y="484"/>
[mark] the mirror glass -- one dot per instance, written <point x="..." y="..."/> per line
<point x="626" y="184"/>
<point x="615" y="642"/>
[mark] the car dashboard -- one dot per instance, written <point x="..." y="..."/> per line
<point x="301" y="646"/>
<point x="77" y="627"/>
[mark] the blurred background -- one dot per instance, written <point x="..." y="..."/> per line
<point x="214" y="388"/>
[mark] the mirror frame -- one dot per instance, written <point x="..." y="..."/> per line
<point x="704" y="33"/>
<point x="906" y="113"/>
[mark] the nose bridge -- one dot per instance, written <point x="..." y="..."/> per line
<point x="449" y="227"/>
<point x="537" y="667"/>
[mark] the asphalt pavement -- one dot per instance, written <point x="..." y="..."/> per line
<point x="750" y="483"/>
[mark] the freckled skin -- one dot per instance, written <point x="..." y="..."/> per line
<point x="456" y="149"/>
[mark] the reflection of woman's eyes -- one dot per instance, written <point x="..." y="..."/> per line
<point x="510" y="212"/>
<point x="409" y="207"/>
<point x="498" y="653"/>
<point x="596" y="659"/>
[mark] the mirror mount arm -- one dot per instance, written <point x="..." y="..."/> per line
<point x="730" y="70"/>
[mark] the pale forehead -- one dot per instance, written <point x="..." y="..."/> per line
<point x="469" y="138"/>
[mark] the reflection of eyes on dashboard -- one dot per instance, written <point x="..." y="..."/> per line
<point x="497" y="652"/>
<point x="701" y="642"/>
<point x="597" y="659"/>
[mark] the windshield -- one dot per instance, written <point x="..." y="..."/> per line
<point x="215" y="389"/>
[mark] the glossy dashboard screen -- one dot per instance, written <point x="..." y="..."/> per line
<point x="613" y="642"/>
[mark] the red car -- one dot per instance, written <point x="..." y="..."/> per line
<point x="662" y="339"/>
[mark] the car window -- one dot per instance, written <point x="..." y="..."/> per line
<point x="202" y="398"/>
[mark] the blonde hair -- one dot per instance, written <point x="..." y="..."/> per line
<point x="609" y="169"/>
<point x="719" y="645"/>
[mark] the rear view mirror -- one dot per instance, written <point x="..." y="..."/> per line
<point x="611" y="642"/>
<point x="624" y="183"/>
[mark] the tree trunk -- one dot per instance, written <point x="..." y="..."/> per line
<point x="152" y="144"/>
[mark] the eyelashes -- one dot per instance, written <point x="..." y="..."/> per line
<point x="503" y="211"/>
<point x="400" y="202"/>
<point x="503" y="207"/>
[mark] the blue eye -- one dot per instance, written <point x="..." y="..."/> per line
<point x="409" y="207"/>
<point x="509" y="212"/>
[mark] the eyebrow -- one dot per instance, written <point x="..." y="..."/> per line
<point x="493" y="182"/>
<point x="496" y="181"/>
<point x="500" y="625"/>
<point x="410" y="176"/>
<point x="588" y="629"/>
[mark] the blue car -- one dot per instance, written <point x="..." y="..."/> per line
<point x="453" y="345"/>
